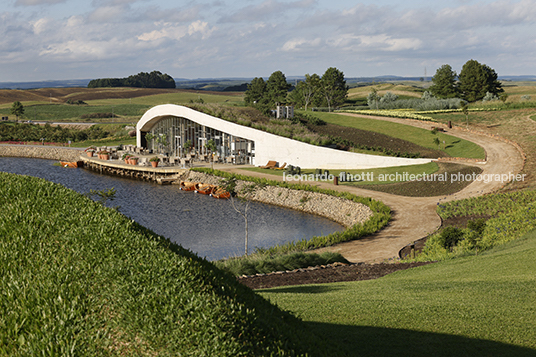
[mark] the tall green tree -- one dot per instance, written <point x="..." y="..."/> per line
<point x="444" y="83"/>
<point x="333" y="87"/>
<point x="476" y="79"/>
<point x="277" y="88"/>
<point x="311" y="87"/>
<point x="17" y="109"/>
<point x="256" y="92"/>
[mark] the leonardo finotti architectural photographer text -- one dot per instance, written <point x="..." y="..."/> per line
<point x="405" y="176"/>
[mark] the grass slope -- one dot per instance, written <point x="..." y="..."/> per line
<point x="453" y="146"/>
<point x="472" y="306"/>
<point x="77" y="278"/>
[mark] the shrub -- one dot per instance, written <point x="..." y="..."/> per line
<point x="265" y="263"/>
<point x="450" y="236"/>
<point x="490" y="97"/>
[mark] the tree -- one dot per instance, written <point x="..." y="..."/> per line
<point x="277" y="88"/>
<point x="256" y="92"/>
<point x="311" y="86"/>
<point x="476" y="79"/>
<point x="17" y="109"/>
<point x="333" y="87"/>
<point x="444" y="83"/>
<point x="211" y="147"/>
<point x="373" y="99"/>
<point x="245" y="196"/>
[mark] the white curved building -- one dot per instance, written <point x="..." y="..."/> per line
<point x="236" y="143"/>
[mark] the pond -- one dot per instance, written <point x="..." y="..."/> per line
<point x="205" y="225"/>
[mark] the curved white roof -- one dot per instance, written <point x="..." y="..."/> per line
<point x="272" y="147"/>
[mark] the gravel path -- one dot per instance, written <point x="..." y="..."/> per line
<point x="415" y="217"/>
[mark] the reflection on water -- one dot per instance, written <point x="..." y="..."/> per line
<point x="205" y="225"/>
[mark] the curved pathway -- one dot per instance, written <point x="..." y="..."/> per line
<point x="415" y="217"/>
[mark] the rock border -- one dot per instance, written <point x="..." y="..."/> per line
<point x="341" y="210"/>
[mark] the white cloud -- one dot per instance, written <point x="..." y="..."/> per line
<point x="252" y="38"/>
<point x="37" y="2"/>
<point x="42" y="25"/>
<point x="174" y="32"/>
<point x="266" y="9"/>
<point x="107" y="14"/>
<point x="297" y="44"/>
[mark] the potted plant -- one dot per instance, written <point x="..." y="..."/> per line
<point x="90" y="151"/>
<point x="104" y="155"/>
<point x="154" y="161"/>
<point x="125" y="157"/>
<point x="133" y="160"/>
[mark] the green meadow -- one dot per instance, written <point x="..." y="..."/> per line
<point x="481" y="305"/>
<point x="455" y="147"/>
<point x="88" y="281"/>
<point x="384" y="175"/>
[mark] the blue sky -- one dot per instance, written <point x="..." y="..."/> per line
<point x="75" y="39"/>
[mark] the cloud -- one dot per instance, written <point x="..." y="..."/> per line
<point x="299" y="44"/>
<point x="266" y="9"/>
<point x="38" y="2"/>
<point x="42" y="25"/>
<point x="219" y="38"/>
<point x="108" y="13"/>
<point x="174" y="32"/>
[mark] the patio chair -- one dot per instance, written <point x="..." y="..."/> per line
<point x="270" y="165"/>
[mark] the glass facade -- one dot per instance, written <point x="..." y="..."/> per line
<point x="172" y="136"/>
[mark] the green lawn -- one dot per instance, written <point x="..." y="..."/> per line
<point x="453" y="146"/>
<point x="80" y="279"/>
<point x="363" y="177"/>
<point x="67" y="112"/>
<point x="472" y="306"/>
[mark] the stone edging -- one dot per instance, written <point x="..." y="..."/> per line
<point x="340" y="210"/>
<point x="41" y="152"/>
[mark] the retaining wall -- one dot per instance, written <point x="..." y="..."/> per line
<point x="340" y="210"/>
<point x="41" y="152"/>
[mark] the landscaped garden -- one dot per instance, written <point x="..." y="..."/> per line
<point x="140" y="294"/>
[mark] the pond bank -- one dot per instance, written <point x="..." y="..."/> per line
<point x="41" y="152"/>
<point x="337" y="209"/>
<point x="340" y="210"/>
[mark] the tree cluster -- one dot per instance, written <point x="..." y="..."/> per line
<point x="155" y="79"/>
<point x="330" y="90"/>
<point x="48" y="133"/>
<point x="473" y="83"/>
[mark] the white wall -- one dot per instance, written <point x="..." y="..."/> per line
<point x="272" y="147"/>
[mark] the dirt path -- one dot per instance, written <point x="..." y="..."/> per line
<point x="413" y="218"/>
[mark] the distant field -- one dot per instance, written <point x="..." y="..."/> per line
<point x="402" y="90"/>
<point x="62" y="95"/>
<point x="128" y="103"/>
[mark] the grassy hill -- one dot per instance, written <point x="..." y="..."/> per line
<point x="482" y="305"/>
<point x="77" y="278"/>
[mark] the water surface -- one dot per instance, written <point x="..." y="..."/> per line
<point x="205" y="225"/>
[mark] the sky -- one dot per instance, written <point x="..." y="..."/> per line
<point x="88" y="39"/>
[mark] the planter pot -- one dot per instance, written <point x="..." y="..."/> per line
<point x="90" y="153"/>
<point x="106" y="157"/>
<point x="133" y="161"/>
<point x="154" y="163"/>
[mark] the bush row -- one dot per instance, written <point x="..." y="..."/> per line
<point x="512" y="215"/>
